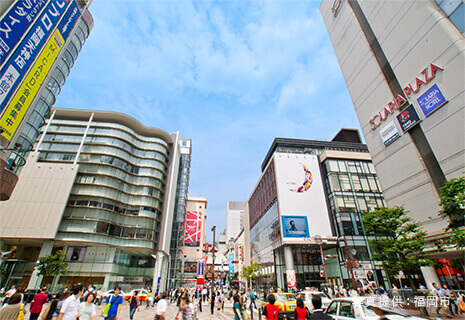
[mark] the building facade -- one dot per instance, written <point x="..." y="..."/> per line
<point x="312" y="190"/>
<point x="40" y="42"/>
<point x="403" y="63"/>
<point x="102" y="187"/>
<point x="234" y="218"/>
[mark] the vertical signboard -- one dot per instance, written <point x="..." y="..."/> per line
<point x="19" y="64"/>
<point x="15" y="22"/>
<point x="301" y="196"/>
<point x="193" y="229"/>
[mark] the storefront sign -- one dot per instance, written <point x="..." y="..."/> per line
<point x="16" y="21"/>
<point x="389" y="133"/>
<point x="69" y="20"/>
<point x="431" y="100"/>
<point x="134" y="279"/>
<point x="413" y="87"/>
<point x="408" y="118"/>
<point x="19" y="63"/>
<point x="22" y="100"/>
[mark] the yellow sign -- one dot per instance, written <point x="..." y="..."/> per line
<point x="22" y="100"/>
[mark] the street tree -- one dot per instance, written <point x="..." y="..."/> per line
<point x="53" y="264"/>
<point x="251" y="272"/>
<point x="452" y="202"/>
<point x="397" y="241"/>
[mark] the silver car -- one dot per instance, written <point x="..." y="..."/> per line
<point x="308" y="295"/>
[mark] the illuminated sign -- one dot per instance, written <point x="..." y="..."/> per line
<point x="24" y="96"/>
<point x="428" y="74"/>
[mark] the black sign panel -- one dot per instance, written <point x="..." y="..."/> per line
<point x="408" y="118"/>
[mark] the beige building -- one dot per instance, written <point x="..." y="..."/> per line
<point x="403" y="63"/>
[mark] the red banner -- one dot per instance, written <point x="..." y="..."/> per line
<point x="193" y="228"/>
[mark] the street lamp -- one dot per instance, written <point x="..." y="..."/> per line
<point x="319" y="241"/>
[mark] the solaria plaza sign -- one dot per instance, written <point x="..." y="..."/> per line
<point x="413" y="87"/>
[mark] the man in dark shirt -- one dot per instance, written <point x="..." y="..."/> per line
<point x="318" y="313"/>
<point x="38" y="301"/>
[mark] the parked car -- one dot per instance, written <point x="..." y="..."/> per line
<point x="287" y="303"/>
<point x="308" y="295"/>
<point x="357" y="308"/>
<point x="142" y="295"/>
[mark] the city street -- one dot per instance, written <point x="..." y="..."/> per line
<point x="149" y="313"/>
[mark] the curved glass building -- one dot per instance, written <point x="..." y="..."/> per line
<point x="116" y="185"/>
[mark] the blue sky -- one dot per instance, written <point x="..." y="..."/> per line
<point x="230" y="75"/>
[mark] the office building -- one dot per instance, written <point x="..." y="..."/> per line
<point x="403" y="63"/>
<point x="308" y="190"/>
<point x="103" y="188"/>
<point x="40" y="40"/>
<point x="234" y="219"/>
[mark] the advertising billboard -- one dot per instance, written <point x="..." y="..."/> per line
<point x="76" y="254"/>
<point x="18" y="65"/>
<point x="295" y="227"/>
<point x="16" y="22"/>
<point x="190" y="266"/>
<point x="24" y="96"/>
<point x="193" y="229"/>
<point x="301" y="196"/>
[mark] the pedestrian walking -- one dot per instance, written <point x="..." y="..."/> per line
<point x="14" y="309"/>
<point x="440" y="296"/>
<point x="450" y="296"/>
<point x="185" y="309"/>
<point x="37" y="303"/>
<point x="70" y="308"/>
<point x="133" y="305"/>
<point x="212" y="301"/>
<point x="98" y="299"/>
<point x="115" y="302"/>
<point x="87" y="310"/>
<point x="252" y="299"/>
<point x="237" y="308"/>
<point x="162" y="307"/>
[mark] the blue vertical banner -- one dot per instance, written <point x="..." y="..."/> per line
<point x="69" y="20"/>
<point x="21" y="60"/>
<point x="15" y="22"/>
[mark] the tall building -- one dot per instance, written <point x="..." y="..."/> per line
<point x="175" y="265"/>
<point x="314" y="189"/>
<point x="234" y="219"/>
<point x="40" y="40"/>
<point x="102" y="187"/>
<point x="403" y="63"/>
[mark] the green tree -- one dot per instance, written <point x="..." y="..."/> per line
<point x="452" y="201"/>
<point x="251" y="272"/>
<point x="397" y="241"/>
<point x="53" y="264"/>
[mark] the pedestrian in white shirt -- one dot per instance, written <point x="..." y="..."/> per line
<point x="162" y="306"/>
<point x="70" y="308"/>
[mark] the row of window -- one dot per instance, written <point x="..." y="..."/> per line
<point x="111" y="205"/>
<point x="110" y="130"/>
<point x="352" y="182"/>
<point x="124" y="186"/>
<point x="91" y="141"/>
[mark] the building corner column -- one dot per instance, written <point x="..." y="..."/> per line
<point x="36" y="279"/>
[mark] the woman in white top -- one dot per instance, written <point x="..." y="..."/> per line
<point x="87" y="309"/>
